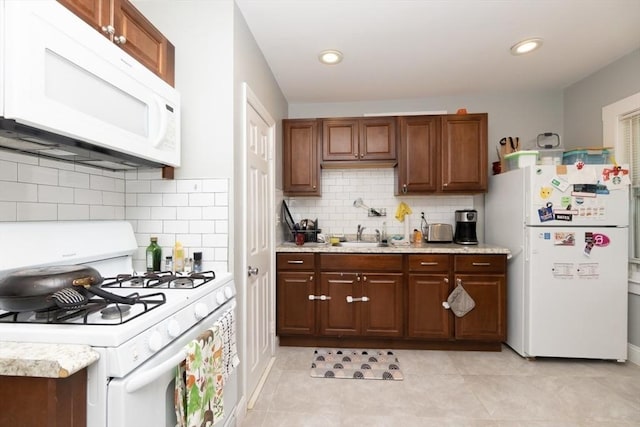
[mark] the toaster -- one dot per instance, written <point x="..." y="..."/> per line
<point x="440" y="233"/>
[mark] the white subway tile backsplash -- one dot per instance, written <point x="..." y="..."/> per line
<point x="18" y="192"/>
<point x="8" y="211"/>
<point x="138" y="212"/>
<point x="103" y="183"/>
<point x="87" y="197"/>
<point x="149" y="226"/>
<point x="138" y="187"/>
<point x="150" y="199"/>
<point x="163" y="186"/>
<point x="54" y="194"/>
<point x="14" y="156"/>
<point x="175" y="200"/>
<point x="202" y="199"/>
<point x="110" y="198"/>
<point x="8" y="171"/>
<point x="376" y="187"/>
<point x="194" y="211"/>
<point x="176" y="227"/>
<point x="189" y="186"/>
<point x="37" y="174"/>
<point x="105" y="213"/>
<point x="73" y="179"/>
<point x="164" y="213"/>
<point x="202" y="227"/>
<point x="215" y="212"/>
<point x="73" y="212"/>
<point x="186" y="212"/>
<point x="37" y="212"/>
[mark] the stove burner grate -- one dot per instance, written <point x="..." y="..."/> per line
<point x="160" y="280"/>
<point x="81" y="315"/>
<point x="115" y="311"/>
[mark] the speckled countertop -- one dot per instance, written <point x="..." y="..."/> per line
<point x="44" y="360"/>
<point x="425" y="248"/>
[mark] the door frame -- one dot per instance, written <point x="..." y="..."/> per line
<point x="250" y="99"/>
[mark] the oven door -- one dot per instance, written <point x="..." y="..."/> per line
<point x="145" y="397"/>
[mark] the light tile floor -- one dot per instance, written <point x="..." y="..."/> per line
<point x="453" y="388"/>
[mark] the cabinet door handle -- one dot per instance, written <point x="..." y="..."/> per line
<point x="355" y="155"/>
<point x="446" y="305"/>
<point x="311" y="278"/>
<point x="295" y="261"/>
<point x="404" y="188"/>
<point x="351" y="299"/>
<point x="119" y="40"/>
<point x="108" y="29"/>
<point x="428" y="263"/>
<point x="361" y="156"/>
<point x="481" y="264"/>
<point x="319" y="297"/>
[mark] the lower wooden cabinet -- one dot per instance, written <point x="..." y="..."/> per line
<point x="362" y="304"/>
<point x="392" y="300"/>
<point x="51" y="402"/>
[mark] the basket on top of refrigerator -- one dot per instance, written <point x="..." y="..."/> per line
<point x="550" y="151"/>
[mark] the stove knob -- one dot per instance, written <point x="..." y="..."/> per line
<point x="173" y="328"/>
<point x="155" y="341"/>
<point x="228" y="292"/>
<point x="201" y="311"/>
<point x="219" y="298"/>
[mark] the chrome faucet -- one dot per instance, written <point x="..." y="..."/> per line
<point x="359" y="233"/>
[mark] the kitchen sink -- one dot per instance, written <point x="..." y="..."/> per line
<point x="359" y="244"/>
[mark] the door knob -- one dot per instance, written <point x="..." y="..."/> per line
<point x="252" y="271"/>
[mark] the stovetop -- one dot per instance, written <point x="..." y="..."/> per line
<point x="160" y="280"/>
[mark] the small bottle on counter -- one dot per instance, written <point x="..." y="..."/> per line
<point x="168" y="264"/>
<point x="154" y="255"/>
<point x="178" y="258"/>
<point x="188" y="265"/>
<point x="197" y="262"/>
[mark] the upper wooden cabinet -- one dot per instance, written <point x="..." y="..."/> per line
<point x="124" y="25"/>
<point x="442" y="154"/>
<point x="417" y="162"/>
<point x="300" y="163"/>
<point x="463" y="161"/>
<point x="352" y="142"/>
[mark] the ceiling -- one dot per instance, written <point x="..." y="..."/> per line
<point x="398" y="49"/>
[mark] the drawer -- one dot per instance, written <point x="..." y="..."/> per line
<point x="360" y="262"/>
<point x="480" y="264"/>
<point x="429" y="262"/>
<point x="295" y="261"/>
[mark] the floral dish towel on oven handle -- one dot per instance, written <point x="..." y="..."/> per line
<point x="199" y="381"/>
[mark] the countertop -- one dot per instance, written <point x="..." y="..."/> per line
<point x="44" y="360"/>
<point x="424" y="248"/>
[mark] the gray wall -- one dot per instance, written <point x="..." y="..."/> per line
<point x="583" y="101"/>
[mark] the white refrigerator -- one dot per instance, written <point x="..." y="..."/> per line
<point x="567" y="229"/>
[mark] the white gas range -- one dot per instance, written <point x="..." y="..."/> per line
<point x="139" y="344"/>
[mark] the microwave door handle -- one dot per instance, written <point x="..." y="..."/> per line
<point x="162" y="122"/>
<point x="147" y="377"/>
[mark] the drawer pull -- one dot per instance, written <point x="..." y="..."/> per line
<point x="428" y="263"/>
<point x="295" y="261"/>
<point x="351" y="299"/>
<point x="320" y="297"/>
<point x="481" y="264"/>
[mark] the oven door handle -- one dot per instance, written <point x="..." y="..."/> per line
<point x="149" y="376"/>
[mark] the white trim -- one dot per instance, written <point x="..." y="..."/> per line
<point x="611" y="130"/>
<point x="633" y="353"/>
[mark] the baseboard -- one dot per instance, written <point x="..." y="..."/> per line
<point x="633" y="352"/>
<point x="263" y="378"/>
<point x="241" y="411"/>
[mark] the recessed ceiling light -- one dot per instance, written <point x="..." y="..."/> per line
<point x="330" y="57"/>
<point x="526" y="46"/>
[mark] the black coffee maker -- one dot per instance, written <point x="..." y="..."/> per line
<point x="466" y="227"/>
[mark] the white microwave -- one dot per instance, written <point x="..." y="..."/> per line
<point x="67" y="92"/>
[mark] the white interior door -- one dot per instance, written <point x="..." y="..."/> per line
<point x="259" y="290"/>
